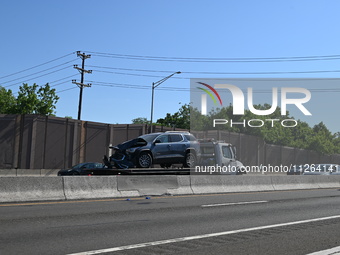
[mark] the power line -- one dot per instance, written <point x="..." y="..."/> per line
<point x="204" y="72"/>
<point x="60" y="91"/>
<point x="60" y="83"/>
<point x="132" y="74"/>
<point x="24" y="70"/>
<point x="67" y="77"/>
<point x="232" y="60"/>
<point x="36" y="77"/>
<point x="54" y="85"/>
<point x="66" y="89"/>
<point x="131" y="69"/>
<point x="134" y="86"/>
<point x="39" y="71"/>
<point x="158" y="76"/>
<point x="61" y="79"/>
<point x="188" y="78"/>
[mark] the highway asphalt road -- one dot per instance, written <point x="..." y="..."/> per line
<point x="286" y="222"/>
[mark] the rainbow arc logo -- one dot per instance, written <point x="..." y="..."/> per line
<point x="213" y="94"/>
<point x="211" y="89"/>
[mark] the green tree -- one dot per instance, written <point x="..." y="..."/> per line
<point x="302" y="135"/>
<point x="180" y="119"/>
<point x="323" y="140"/>
<point x="140" y="120"/>
<point x="30" y="100"/>
<point x="36" y="100"/>
<point x="7" y="101"/>
<point x="198" y="121"/>
<point x="47" y="100"/>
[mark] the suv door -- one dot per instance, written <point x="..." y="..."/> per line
<point x="178" y="147"/>
<point x="162" y="149"/>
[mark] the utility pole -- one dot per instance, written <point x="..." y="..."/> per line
<point x="81" y="84"/>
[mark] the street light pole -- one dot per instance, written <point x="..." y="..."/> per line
<point x="155" y="85"/>
<point x="153" y="92"/>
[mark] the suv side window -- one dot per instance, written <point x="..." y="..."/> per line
<point x="190" y="138"/>
<point x="175" y="138"/>
<point x="163" y="138"/>
<point x="226" y="152"/>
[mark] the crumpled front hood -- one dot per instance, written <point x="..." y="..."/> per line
<point x="137" y="142"/>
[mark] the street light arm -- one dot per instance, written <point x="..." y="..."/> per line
<point x="157" y="83"/>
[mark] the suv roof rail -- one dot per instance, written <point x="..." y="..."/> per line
<point x="177" y="132"/>
<point x="211" y="140"/>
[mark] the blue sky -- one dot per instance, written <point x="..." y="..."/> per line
<point x="35" y="32"/>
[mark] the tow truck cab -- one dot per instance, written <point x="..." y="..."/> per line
<point x="220" y="153"/>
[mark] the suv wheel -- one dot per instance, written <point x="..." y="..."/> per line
<point x="190" y="160"/>
<point x="144" y="160"/>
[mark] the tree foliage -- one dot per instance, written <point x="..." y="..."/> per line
<point x="7" y="101"/>
<point x="140" y="120"/>
<point x="180" y="119"/>
<point x="32" y="99"/>
<point x="317" y="138"/>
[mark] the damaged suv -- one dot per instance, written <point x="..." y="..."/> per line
<point x="157" y="148"/>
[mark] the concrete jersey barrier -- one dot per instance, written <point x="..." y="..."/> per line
<point x="231" y="183"/>
<point x="17" y="189"/>
<point x="146" y="185"/>
<point x="84" y="187"/>
<point x="296" y="182"/>
<point x="20" y="189"/>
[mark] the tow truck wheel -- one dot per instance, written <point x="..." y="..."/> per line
<point x="144" y="160"/>
<point x="190" y="160"/>
<point x="239" y="172"/>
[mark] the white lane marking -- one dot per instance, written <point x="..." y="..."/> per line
<point x="236" y="203"/>
<point x="188" y="238"/>
<point x="332" y="251"/>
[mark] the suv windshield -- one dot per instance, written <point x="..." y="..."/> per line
<point x="150" y="137"/>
